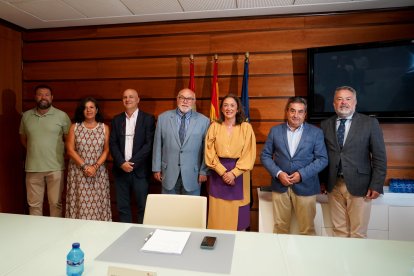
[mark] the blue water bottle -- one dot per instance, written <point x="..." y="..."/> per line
<point x="74" y="261"/>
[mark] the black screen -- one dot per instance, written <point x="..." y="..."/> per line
<point x="382" y="74"/>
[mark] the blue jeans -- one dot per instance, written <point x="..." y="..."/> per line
<point x="124" y="184"/>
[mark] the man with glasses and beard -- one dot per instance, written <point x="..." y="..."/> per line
<point x="42" y="132"/>
<point x="178" y="153"/>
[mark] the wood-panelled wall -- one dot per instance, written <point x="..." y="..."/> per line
<point x="12" y="192"/>
<point x="154" y="58"/>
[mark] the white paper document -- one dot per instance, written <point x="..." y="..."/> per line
<point x="164" y="241"/>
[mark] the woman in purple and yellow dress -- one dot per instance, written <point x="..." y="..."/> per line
<point x="230" y="152"/>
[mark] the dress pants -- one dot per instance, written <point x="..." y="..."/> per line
<point x="304" y="208"/>
<point x="124" y="184"/>
<point x="180" y="190"/>
<point x="36" y="182"/>
<point x="349" y="214"/>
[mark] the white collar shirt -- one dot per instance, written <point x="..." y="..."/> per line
<point x="130" y="123"/>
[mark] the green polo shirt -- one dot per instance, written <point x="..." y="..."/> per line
<point x="45" y="145"/>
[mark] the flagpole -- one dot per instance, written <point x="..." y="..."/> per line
<point x="214" y="106"/>
<point x="191" y="84"/>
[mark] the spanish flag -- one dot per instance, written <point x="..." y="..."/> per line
<point x="214" y="107"/>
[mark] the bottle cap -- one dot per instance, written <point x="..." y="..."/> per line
<point x="75" y="245"/>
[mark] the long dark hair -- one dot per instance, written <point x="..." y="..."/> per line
<point x="240" y="117"/>
<point x="80" y="117"/>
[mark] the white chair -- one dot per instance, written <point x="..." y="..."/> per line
<point x="176" y="210"/>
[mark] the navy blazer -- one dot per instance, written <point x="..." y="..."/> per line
<point x="142" y="146"/>
<point x="364" y="159"/>
<point x="309" y="159"/>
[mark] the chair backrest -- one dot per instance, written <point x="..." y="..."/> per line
<point x="176" y="210"/>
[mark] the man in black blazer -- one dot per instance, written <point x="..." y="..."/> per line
<point x="357" y="168"/>
<point x="130" y="143"/>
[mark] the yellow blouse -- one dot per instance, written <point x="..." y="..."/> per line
<point x="241" y="144"/>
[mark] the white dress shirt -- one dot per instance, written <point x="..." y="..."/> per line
<point x="130" y="123"/>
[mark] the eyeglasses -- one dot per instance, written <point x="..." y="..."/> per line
<point x="184" y="99"/>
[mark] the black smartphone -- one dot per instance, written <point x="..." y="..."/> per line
<point x="208" y="242"/>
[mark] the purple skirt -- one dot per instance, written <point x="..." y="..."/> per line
<point x="219" y="189"/>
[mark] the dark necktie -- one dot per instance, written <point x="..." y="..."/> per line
<point x="340" y="133"/>
<point x="181" y="132"/>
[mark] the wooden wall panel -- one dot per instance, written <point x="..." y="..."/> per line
<point x="12" y="187"/>
<point x="400" y="155"/>
<point x="358" y="19"/>
<point x="118" y="48"/>
<point x="307" y="38"/>
<point x="398" y="133"/>
<point x="168" y="28"/>
<point x="154" y="58"/>
<point x="176" y="67"/>
<point x="166" y="88"/>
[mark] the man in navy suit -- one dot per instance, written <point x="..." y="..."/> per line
<point x="294" y="154"/>
<point x="357" y="165"/>
<point x="131" y="145"/>
<point x="178" y="155"/>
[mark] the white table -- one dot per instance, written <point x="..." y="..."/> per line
<point x="38" y="246"/>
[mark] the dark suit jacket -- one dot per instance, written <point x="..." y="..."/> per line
<point x="364" y="160"/>
<point x="309" y="159"/>
<point x="142" y="146"/>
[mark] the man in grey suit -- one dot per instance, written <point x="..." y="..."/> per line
<point x="178" y="151"/>
<point x="357" y="164"/>
<point x="294" y="154"/>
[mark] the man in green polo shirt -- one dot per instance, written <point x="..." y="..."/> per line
<point x="42" y="132"/>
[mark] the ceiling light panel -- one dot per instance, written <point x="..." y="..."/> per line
<point x="207" y="5"/>
<point x="99" y="8"/>
<point x="142" y="7"/>
<point x="42" y="10"/>
<point x="248" y="4"/>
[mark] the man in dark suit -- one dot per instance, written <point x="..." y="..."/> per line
<point x="131" y="146"/>
<point x="178" y="152"/>
<point x="294" y="154"/>
<point x="357" y="164"/>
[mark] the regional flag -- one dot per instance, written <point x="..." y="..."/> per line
<point x="214" y="107"/>
<point x="191" y="83"/>
<point x="245" y="89"/>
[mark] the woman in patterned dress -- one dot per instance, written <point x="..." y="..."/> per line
<point x="230" y="152"/>
<point x="87" y="144"/>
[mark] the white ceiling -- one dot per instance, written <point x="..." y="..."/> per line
<point x="34" y="14"/>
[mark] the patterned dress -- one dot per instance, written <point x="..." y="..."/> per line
<point x="88" y="197"/>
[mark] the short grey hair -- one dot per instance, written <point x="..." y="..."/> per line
<point x="297" y="99"/>
<point x="349" y="88"/>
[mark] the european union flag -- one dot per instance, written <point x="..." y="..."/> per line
<point x="245" y="89"/>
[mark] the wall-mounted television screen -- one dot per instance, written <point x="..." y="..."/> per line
<point x="381" y="73"/>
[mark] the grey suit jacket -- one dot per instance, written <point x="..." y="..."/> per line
<point x="170" y="157"/>
<point x="309" y="159"/>
<point x="364" y="160"/>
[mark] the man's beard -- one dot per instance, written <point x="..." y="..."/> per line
<point x="43" y="104"/>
